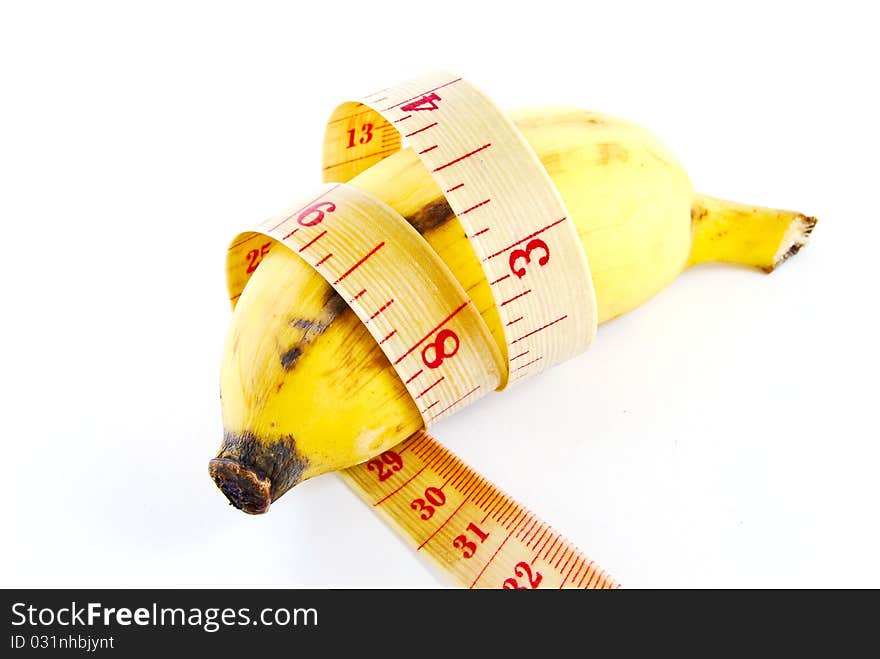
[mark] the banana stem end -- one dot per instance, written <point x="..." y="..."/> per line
<point x="245" y="490"/>
<point x="795" y="238"/>
<point x="728" y="232"/>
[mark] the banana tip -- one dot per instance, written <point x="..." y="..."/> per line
<point x="795" y="239"/>
<point x="244" y="488"/>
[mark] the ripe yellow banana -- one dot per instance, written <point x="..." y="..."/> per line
<point x="305" y="388"/>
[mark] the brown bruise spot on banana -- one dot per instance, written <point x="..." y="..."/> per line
<point x="253" y="472"/>
<point x="698" y="212"/>
<point x="312" y="328"/>
<point x="288" y="359"/>
<point x="431" y="216"/>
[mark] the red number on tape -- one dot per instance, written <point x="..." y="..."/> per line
<point x="255" y="256"/>
<point x="439" y="346"/>
<point x="317" y="211"/>
<point x="367" y="135"/>
<point x="468" y="547"/>
<point x="526" y="254"/>
<point x="426" y="102"/>
<point x="434" y="496"/>
<point x="388" y="458"/>
<point x="523" y="569"/>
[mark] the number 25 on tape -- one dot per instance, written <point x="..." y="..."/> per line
<point x="256" y="255"/>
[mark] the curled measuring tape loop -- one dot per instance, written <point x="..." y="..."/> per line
<point x="511" y="212"/>
<point x="503" y="197"/>
<point x="428" y="327"/>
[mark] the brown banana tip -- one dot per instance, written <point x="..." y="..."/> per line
<point x="796" y="238"/>
<point x="242" y="486"/>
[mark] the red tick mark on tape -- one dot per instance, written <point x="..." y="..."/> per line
<point x="359" y="262"/>
<point x="515" y="297"/>
<point x="527" y="364"/>
<point x="312" y="241"/>
<point x="416" y="132"/>
<point x="388" y="336"/>
<point x="454" y="403"/>
<point x="522" y="240"/>
<point x="535" y="331"/>
<point x="475" y="207"/>
<point x="381" y="309"/>
<point x="431" y="386"/>
<point x="460" y="158"/>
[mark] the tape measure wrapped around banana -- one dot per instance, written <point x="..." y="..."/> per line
<point x="427" y="276"/>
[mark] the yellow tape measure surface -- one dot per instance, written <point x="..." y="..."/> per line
<point x="466" y="525"/>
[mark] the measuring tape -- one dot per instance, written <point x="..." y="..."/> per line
<point x="428" y="327"/>
<point x="503" y="197"/>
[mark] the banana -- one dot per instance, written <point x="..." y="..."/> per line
<point x="305" y="389"/>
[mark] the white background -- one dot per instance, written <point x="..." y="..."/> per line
<point x="724" y="434"/>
